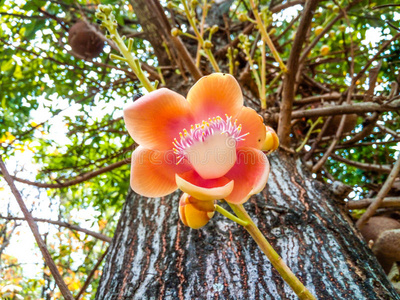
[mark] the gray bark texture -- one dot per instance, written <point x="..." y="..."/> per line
<point x="154" y="256"/>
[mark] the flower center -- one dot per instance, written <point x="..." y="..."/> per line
<point x="210" y="147"/>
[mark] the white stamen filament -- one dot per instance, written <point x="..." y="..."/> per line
<point x="210" y="146"/>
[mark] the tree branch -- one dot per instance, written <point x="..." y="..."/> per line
<point x="364" y="203"/>
<point x="42" y="246"/>
<point x="388" y="130"/>
<point x="370" y="125"/>
<point x="354" y="145"/>
<point x="364" y="166"/>
<point x="78" y="179"/>
<point x="94" y="234"/>
<point x="279" y="7"/>
<point x="290" y="76"/>
<point x="186" y="57"/>
<point x="345" y="109"/>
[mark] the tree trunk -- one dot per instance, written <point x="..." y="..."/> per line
<point x="154" y="256"/>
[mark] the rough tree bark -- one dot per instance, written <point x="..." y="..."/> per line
<point x="153" y="256"/>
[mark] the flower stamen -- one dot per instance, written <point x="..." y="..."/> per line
<point x="200" y="132"/>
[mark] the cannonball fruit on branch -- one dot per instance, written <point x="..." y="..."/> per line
<point x="349" y="124"/>
<point x="383" y="234"/>
<point x="84" y="40"/>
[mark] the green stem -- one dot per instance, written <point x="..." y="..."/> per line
<point x="301" y="291"/>
<point x="133" y="62"/>
<point x="227" y="214"/>
<point x="266" y="38"/>
<point x="203" y="20"/>
<point x="199" y="36"/>
<point x="254" y="71"/>
<point x="273" y="81"/>
<point x="319" y="120"/>
<point x="212" y="60"/>
<point x="105" y="14"/>
<point x="230" y="58"/>
<point x="263" y="96"/>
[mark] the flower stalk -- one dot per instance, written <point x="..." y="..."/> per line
<point x="263" y="94"/>
<point x="105" y="14"/>
<point x="273" y="81"/>
<point x="266" y="38"/>
<point x="301" y="291"/>
<point x="199" y="35"/>
<point x="310" y="131"/>
<point x="230" y="216"/>
<point x="231" y="54"/>
<point x="260" y="79"/>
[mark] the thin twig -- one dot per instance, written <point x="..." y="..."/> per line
<point x="364" y="166"/>
<point x="90" y="276"/>
<point x="388" y="130"/>
<point x="355" y="145"/>
<point x="334" y="96"/>
<point x="374" y="58"/>
<point x="370" y="125"/>
<point x="364" y="203"/>
<point x="314" y="146"/>
<point x="78" y="179"/>
<point x="287" y="4"/>
<point x="94" y="234"/>
<point x="42" y="246"/>
<point x="355" y="108"/>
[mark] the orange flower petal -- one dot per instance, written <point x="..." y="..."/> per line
<point x="195" y="213"/>
<point x="204" y="189"/>
<point x="250" y="175"/>
<point x="153" y="172"/>
<point x="253" y="124"/>
<point x="155" y="119"/>
<point x="271" y="142"/>
<point x="215" y="95"/>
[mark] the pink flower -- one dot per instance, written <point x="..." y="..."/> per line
<point x="207" y="145"/>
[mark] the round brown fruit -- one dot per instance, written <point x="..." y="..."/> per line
<point x="84" y="40"/>
<point x="383" y="235"/>
<point x="349" y="124"/>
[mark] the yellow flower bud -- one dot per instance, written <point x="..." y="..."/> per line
<point x="207" y="44"/>
<point x="342" y="28"/>
<point x="242" y="17"/>
<point x="324" y="50"/>
<point x="175" y="31"/>
<point x="214" y="29"/>
<point x="318" y="30"/>
<point x="271" y="142"/>
<point x="107" y="9"/>
<point x="195" y="213"/>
